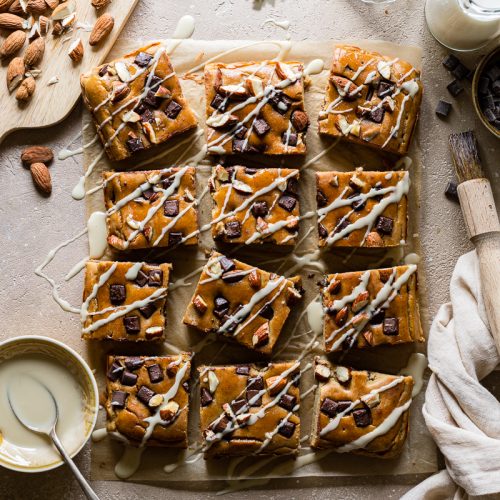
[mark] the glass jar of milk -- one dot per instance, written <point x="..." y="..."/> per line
<point x="463" y="24"/>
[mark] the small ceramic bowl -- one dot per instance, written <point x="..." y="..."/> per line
<point x="51" y="348"/>
<point x="492" y="56"/>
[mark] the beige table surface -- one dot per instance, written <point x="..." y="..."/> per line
<point x="27" y="298"/>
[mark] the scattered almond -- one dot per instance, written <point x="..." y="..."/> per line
<point x="5" y="5"/>
<point x="57" y="28"/>
<point x="102" y="28"/>
<point x="52" y="3"/>
<point x="17" y="8"/>
<point x="36" y="6"/>
<point x="75" y="50"/>
<point x="12" y="43"/>
<point x="34" y="53"/>
<point x="43" y="25"/>
<point x="26" y="89"/>
<point x="63" y="10"/>
<point x="37" y="154"/>
<point x="100" y="4"/>
<point x="15" y="73"/>
<point x="11" y="22"/>
<point x="41" y="177"/>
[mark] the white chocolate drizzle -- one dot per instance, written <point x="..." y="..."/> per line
<point x="417" y="363"/>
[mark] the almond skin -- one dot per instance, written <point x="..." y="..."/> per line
<point x="37" y="154"/>
<point x="16" y="8"/>
<point x="52" y="3"/>
<point x="76" y="51"/>
<point x="36" y="6"/>
<point x="15" y="73"/>
<point x="99" y="4"/>
<point x="26" y="89"/>
<point x="5" y="4"/>
<point x="41" y="178"/>
<point x="11" y="22"/>
<point x="13" y="43"/>
<point x="102" y="28"/>
<point x="34" y="53"/>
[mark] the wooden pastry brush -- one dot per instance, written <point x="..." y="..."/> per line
<point x="481" y="219"/>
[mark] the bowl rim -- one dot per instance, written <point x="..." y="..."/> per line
<point x="93" y="384"/>
<point x="475" y="94"/>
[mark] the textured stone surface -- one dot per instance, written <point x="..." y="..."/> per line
<point x="32" y="225"/>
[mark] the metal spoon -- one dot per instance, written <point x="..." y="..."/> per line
<point x="50" y="431"/>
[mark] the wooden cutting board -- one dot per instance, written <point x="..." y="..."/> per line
<point x="52" y="103"/>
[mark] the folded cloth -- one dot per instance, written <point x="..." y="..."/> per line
<point x="462" y="416"/>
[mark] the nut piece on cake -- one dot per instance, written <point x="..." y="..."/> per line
<point x="370" y="308"/>
<point x="371" y="99"/>
<point x="242" y="303"/>
<point x="362" y="209"/>
<point x="361" y="412"/>
<point x="136" y="102"/>
<point x="255" y="107"/>
<point x="155" y="208"/>
<point x="251" y="410"/>
<point x="255" y="205"/>
<point x="148" y="399"/>
<point x="124" y="301"/>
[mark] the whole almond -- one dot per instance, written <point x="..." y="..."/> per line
<point x="36" y="6"/>
<point x="100" y="4"/>
<point x="37" y="154"/>
<point x="11" y="22"/>
<point x="75" y="50"/>
<point x="26" y="89"/>
<point x="34" y="53"/>
<point x="12" y="43"/>
<point x="102" y="28"/>
<point x="52" y="3"/>
<point x="5" y="5"/>
<point x="41" y="177"/>
<point x="17" y="8"/>
<point x="15" y="73"/>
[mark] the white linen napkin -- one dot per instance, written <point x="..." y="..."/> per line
<point x="462" y="416"/>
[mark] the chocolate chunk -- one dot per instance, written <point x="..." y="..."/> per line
<point x="250" y="171"/>
<point x="252" y="398"/>
<point x="243" y="370"/>
<point x="290" y="139"/>
<point x="151" y="99"/>
<point x="450" y="62"/>
<point x="233" y="229"/>
<point x="132" y="325"/>
<point x="377" y="317"/>
<point x="150" y="194"/>
<point x="261" y="127"/>
<point x="155" y="373"/>
<point x="173" y="109"/>
<point x="103" y="70"/>
<point x="241" y="132"/>
<point x="323" y="233"/>
<point x="287" y="401"/>
<point x="341" y="225"/>
<point x="384" y="89"/>
<point x="154" y="82"/>
<point x="255" y="383"/>
<point x="493" y="72"/>
<point x="205" y="397"/>
<point x="321" y="198"/>
<point x="233" y="276"/>
<point x="155" y="277"/>
<point x="287" y="202"/>
<point x="443" y="108"/>
<point x="483" y="85"/>
<point x="114" y="371"/>
<point x="221" y="306"/>
<point x="460" y="71"/>
<point x="267" y="311"/>
<point x="117" y="294"/>
<point x="377" y="115"/>
<point x="451" y="191"/>
<point x="292" y="186"/>
<point x="454" y="88"/>
<point x="142" y="278"/>
<point x="171" y="208"/>
<point x="242" y="146"/>
<point x="391" y="326"/>
<point x="237" y="405"/>
<point x="128" y="378"/>
<point x="362" y="417"/>
<point x="144" y="394"/>
<point x="260" y="209"/>
<point x="227" y="264"/>
<point x="221" y="425"/>
<point x="185" y="386"/>
<point x="489" y="114"/>
<point x="118" y="399"/>
<point x="166" y="182"/>
<point x="286" y="429"/>
<point x="219" y="103"/>
<point x="280" y="102"/>
<point x="487" y="102"/>
<point x="142" y="59"/>
<point x="148" y="310"/>
<point x="329" y="407"/>
<point x="384" y="225"/>
<point x="134" y="144"/>
<point x="357" y="205"/>
<point x="175" y="238"/>
<point x="133" y="363"/>
<point x="495" y="87"/>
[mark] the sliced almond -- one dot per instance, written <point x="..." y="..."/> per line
<point x="131" y="222"/>
<point x="150" y="132"/>
<point x="131" y="116"/>
<point x="342" y="374"/>
<point x="169" y="411"/>
<point x="236" y="91"/>
<point x="322" y="372"/>
<point x="374" y="239"/>
<point x="285" y="72"/>
<point x="63" y="10"/>
<point x="372" y="400"/>
<point x="122" y="71"/>
<point x="254" y="279"/>
<point x="356" y="182"/>
<point x="242" y="187"/>
<point x="384" y="69"/>
<point x="213" y="382"/>
<point x="155" y="401"/>
<point x="153" y="332"/>
<point x="199" y="304"/>
<point x="75" y="50"/>
<point x="255" y="85"/>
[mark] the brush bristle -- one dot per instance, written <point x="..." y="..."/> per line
<point x="465" y="156"/>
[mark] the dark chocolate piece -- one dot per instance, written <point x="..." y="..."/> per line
<point x="443" y="108"/>
<point x="362" y="417"/>
<point x="450" y="62"/>
<point x="286" y="429"/>
<point x="132" y="325"/>
<point x="252" y="398"/>
<point x="321" y="199"/>
<point x="261" y="127"/>
<point x="237" y="405"/>
<point x="205" y="397"/>
<point x="227" y="264"/>
<point x="260" y="209"/>
<point x="173" y="109"/>
<point x="155" y="373"/>
<point x="151" y="99"/>
<point x="451" y="190"/>
<point x="287" y="402"/>
<point x="145" y="394"/>
<point x="483" y="85"/>
<point x="243" y="370"/>
<point x="267" y="311"/>
<point x="290" y="139"/>
<point x="287" y="202"/>
<point x="219" y="103"/>
<point x="142" y="59"/>
<point x="454" y="88"/>
<point x="175" y="238"/>
<point x="233" y="229"/>
<point x="384" y="225"/>
<point x="117" y="294"/>
<point x="128" y="378"/>
<point x="233" y="276"/>
<point x="460" y="71"/>
<point x="391" y="326"/>
<point x="134" y="144"/>
<point x="221" y="306"/>
<point x="118" y="399"/>
<point x="142" y="278"/>
<point x="148" y="310"/>
<point x="384" y="89"/>
<point x="255" y="383"/>
<point x="171" y="208"/>
<point x="155" y="277"/>
<point x="114" y="371"/>
<point x="133" y="363"/>
<point x="377" y="115"/>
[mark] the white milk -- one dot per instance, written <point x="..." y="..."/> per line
<point x="20" y="445"/>
<point x="463" y="24"/>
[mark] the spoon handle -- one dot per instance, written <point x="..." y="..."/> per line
<point x="89" y="492"/>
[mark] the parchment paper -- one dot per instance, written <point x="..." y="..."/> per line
<point x="419" y="455"/>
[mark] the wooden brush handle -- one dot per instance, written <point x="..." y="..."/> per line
<point x="481" y="219"/>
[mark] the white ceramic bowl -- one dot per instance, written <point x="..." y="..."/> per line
<point x="31" y="344"/>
